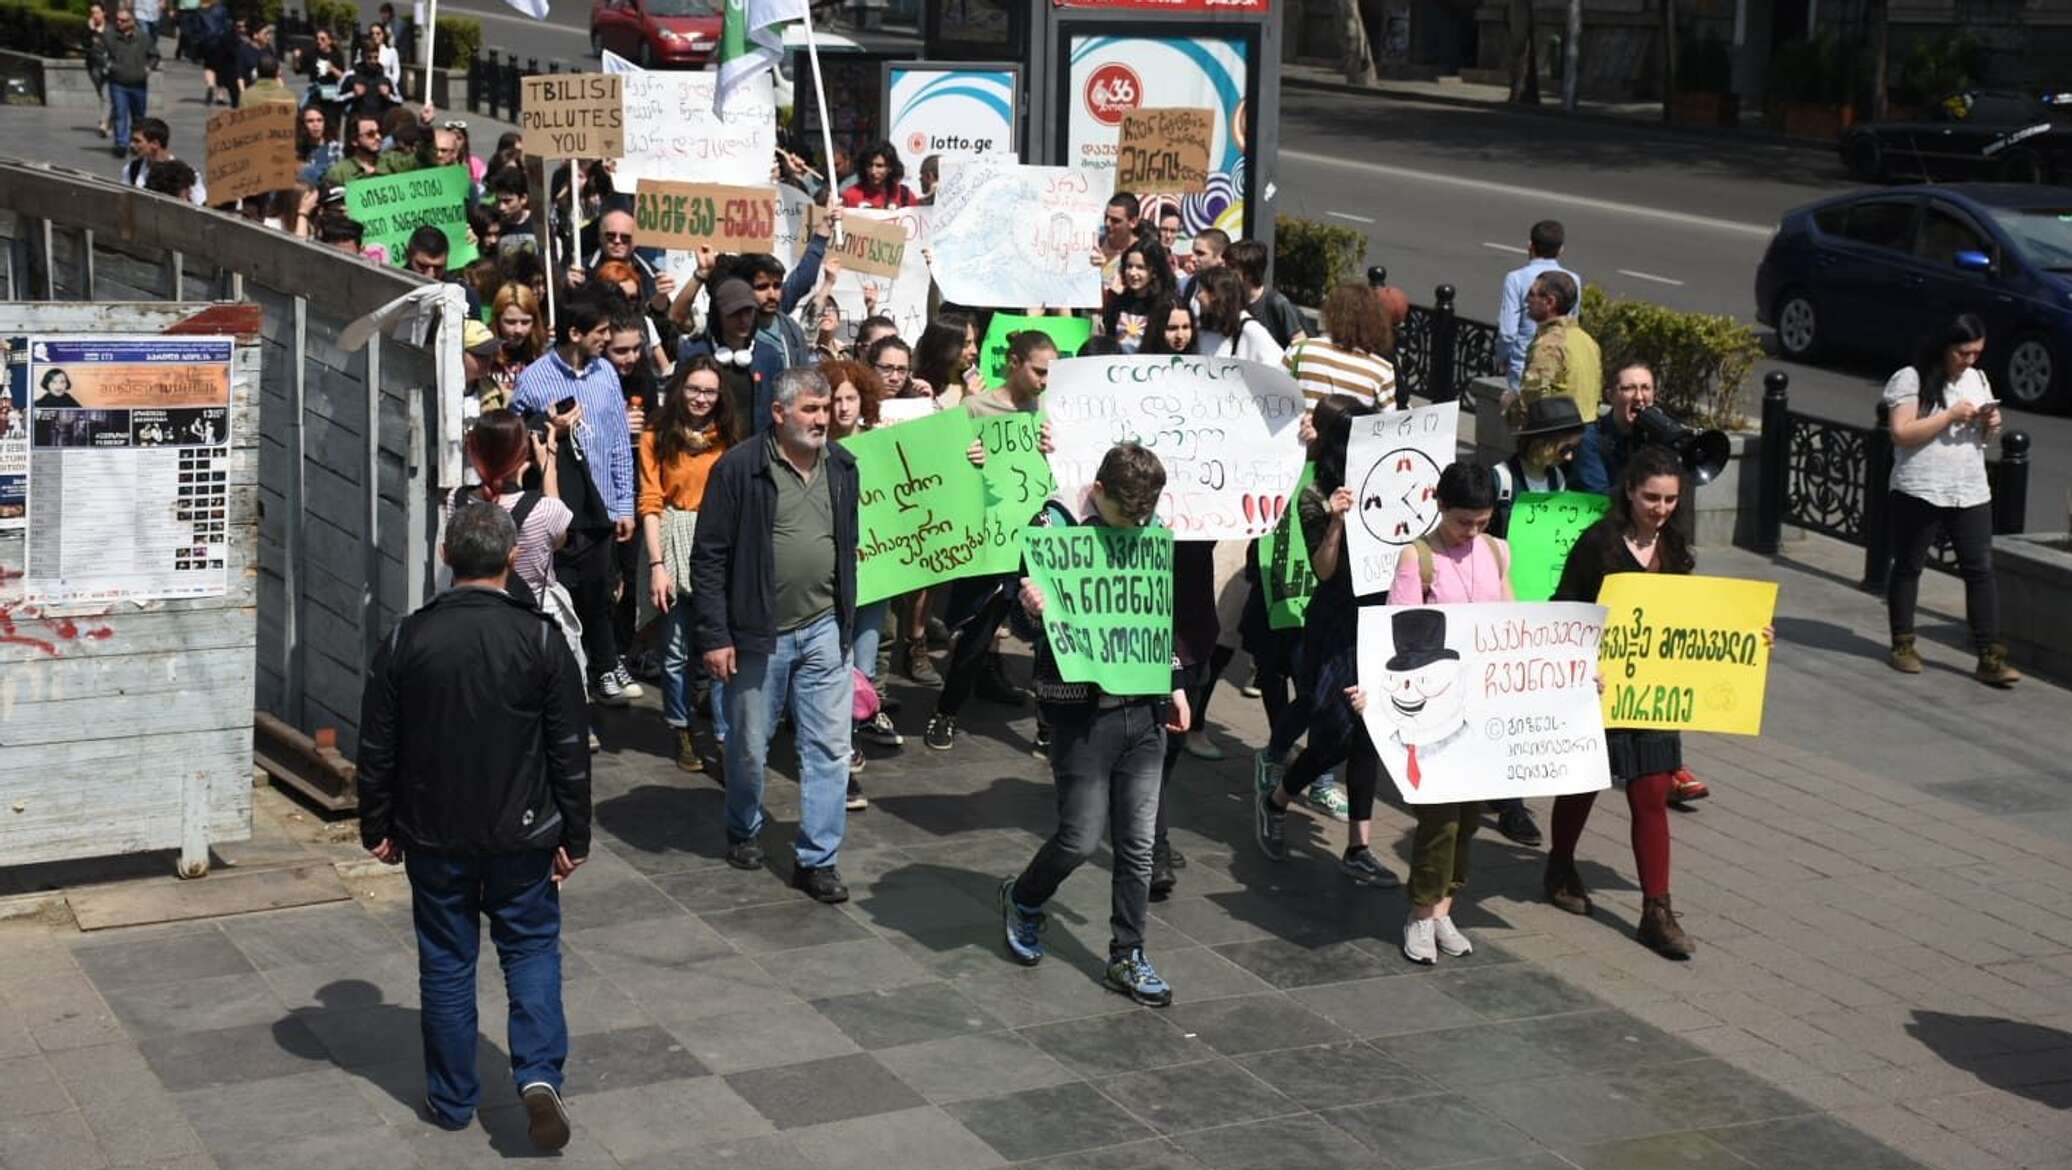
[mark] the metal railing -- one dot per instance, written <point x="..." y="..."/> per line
<point x="1832" y="478"/>
<point x="1440" y="353"/>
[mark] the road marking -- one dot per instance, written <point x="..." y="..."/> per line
<point x="1650" y="276"/>
<point x="1504" y="247"/>
<point x="1536" y="194"/>
<point x="1349" y="215"/>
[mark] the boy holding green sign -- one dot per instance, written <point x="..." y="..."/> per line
<point x="1097" y="606"/>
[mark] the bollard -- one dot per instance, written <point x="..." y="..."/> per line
<point x="1442" y="386"/>
<point x="475" y="83"/>
<point x="2011" y="484"/>
<point x="1877" y="498"/>
<point x="492" y="82"/>
<point x="1775" y="470"/>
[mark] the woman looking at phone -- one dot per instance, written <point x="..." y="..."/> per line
<point x="1942" y="414"/>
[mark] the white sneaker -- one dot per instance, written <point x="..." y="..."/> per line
<point x="1418" y="944"/>
<point x="624" y="678"/>
<point x="606" y="691"/>
<point x="1452" y="942"/>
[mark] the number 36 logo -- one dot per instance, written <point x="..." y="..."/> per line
<point x="1112" y="91"/>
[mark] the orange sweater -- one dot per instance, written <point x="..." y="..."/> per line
<point x="681" y="484"/>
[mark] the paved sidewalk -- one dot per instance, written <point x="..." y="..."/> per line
<point x="1884" y="979"/>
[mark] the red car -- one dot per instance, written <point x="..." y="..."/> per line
<point x="657" y="33"/>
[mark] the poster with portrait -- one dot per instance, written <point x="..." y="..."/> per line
<point x="14" y="442"/>
<point x="1485" y="702"/>
<point x="1392" y="466"/>
<point x="129" y="454"/>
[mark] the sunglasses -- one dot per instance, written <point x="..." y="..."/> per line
<point x="619" y="237"/>
<point x="453" y="124"/>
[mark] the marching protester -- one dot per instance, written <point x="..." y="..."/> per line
<point x="690" y="431"/>
<point x="1546" y="440"/>
<point x="879" y="180"/>
<point x="1942" y="415"/>
<point x="1228" y="328"/>
<point x="1144" y="282"/>
<point x="1104" y="760"/>
<point x="1264" y="303"/>
<point x="1563" y="358"/>
<point x="1640" y="535"/>
<point x="773" y="573"/>
<point x="730" y="342"/>
<point x="1515" y="326"/>
<point x="1609" y="439"/>
<point x="853" y="409"/>
<point x="474" y="775"/>
<point x="1347" y="359"/>
<point x="1170" y="329"/>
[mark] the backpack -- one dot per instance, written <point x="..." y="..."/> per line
<point x="1506" y="488"/>
<point x="1425" y="565"/>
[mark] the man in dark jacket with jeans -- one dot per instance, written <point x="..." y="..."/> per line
<point x="774" y="602"/>
<point x="132" y="54"/>
<point x="475" y="774"/>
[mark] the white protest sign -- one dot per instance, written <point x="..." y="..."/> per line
<point x="1225" y="429"/>
<point x="893" y="411"/>
<point x="1485" y="702"/>
<point x="1015" y="236"/>
<point x="672" y="132"/>
<point x="1393" y="465"/>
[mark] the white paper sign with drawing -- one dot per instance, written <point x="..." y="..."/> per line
<point x="1014" y="236"/>
<point x="1393" y="465"/>
<point x="1485" y="702"/>
<point x="673" y="133"/>
<point x="1225" y="429"/>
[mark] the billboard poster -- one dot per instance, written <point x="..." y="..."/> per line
<point x="935" y="109"/>
<point x="14" y="441"/>
<point x="1109" y="76"/>
<point x="129" y="452"/>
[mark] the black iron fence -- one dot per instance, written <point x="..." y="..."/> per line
<point x="1830" y="477"/>
<point x="1440" y="353"/>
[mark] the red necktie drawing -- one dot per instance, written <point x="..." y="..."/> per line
<point x="1415" y="776"/>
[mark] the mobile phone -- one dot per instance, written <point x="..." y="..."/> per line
<point x="565" y="405"/>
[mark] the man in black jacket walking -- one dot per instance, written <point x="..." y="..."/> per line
<point x="474" y="772"/>
<point x="774" y="602"/>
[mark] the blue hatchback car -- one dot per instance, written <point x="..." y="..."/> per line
<point x="1871" y="273"/>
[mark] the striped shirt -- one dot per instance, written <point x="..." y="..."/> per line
<point x="1323" y="369"/>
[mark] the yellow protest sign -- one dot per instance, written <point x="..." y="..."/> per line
<point x="1685" y="653"/>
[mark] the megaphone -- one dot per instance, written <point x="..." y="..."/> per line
<point x="1704" y="453"/>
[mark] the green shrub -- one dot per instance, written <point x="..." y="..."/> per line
<point x="459" y="39"/>
<point x="33" y="26"/>
<point x="1938" y="66"/>
<point x="342" y="17"/>
<point x="1699" y="359"/>
<point x="1310" y="258"/>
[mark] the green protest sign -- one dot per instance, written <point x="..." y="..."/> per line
<point x="390" y="207"/>
<point x="1544" y="526"/>
<point x="1069" y="332"/>
<point x="1017" y="482"/>
<point x="1107" y="604"/>
<point x="1284" y="571"/>
<point x="921" y="512"/>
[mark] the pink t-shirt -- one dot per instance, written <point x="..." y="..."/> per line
<point x="1464" y="573"/>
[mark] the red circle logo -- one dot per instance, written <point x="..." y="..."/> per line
<point x="917" y="143"/>
<point x="1112" y="91"/>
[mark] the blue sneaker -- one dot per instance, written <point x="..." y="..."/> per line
<point x="1266" y="771"/>
<point x="1133" y="975"/>
<point x="1024" y="928"/>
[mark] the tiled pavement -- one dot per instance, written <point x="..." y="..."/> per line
<point x="1884" y="980"/>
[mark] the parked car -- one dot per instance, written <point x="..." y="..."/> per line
<point x="657" y="34"/>
<point x="1873" y="271"/>
<point x="1973" y="135"/>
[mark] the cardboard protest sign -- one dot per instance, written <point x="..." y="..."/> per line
<point x="1686" y="653"/>
<point x="1164" y="151"/>
<point x="870" y="247"/>
<point x="1107" y="604"/>
<point x="1018" y="235"/>
<point x="1284" y="572"/>
<point x="1225" y="429"/>
<point x="1017" y="479"/>
<point x="251" y="151"/>
<point x="390" y="207"/>
<point x="921" y="513"/>
<point x="1544" y="526"/>
<point x="1393" y="465"/>
<point x="685" y="215"/>
<point x="673" y="132"/>
<point x="1069" y="332"/>
<point x="575" y="115"/>
<point x="1484" y="702"/>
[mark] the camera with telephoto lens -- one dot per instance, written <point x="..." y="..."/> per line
<point x="1703" y="453"/>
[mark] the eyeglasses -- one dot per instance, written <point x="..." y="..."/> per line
<point x="453" y="124"/>
<point x="883" y="368"/>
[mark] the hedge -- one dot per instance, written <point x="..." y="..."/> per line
<point x="342" y="17"/>
<point x="1310" y="258"/>
<point x="1700" y="359"/>
<point x="459" y="39"/>
<point x="43" y="28"/>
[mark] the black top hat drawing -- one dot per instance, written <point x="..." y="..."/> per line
<point x="1420" y="639"/>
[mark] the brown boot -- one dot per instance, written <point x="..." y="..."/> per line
<point x="1659" y="930"/>
<point x="1564" y="887"/>
<point x="687" y="751"/>
<point x="1993" y="669"/>
<point x="1904" y="658"/>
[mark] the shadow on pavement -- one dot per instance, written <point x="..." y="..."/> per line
<point x="2029" y="1060"/>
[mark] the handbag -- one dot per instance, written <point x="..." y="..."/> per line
<point x="679" y="527"/>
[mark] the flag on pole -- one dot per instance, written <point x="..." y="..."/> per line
<point x="537" y="9"/>
<point x="751" y="42"/>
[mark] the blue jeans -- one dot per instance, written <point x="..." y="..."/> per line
<point x="449" y="895"/>
<point x="128" y="102"/>
<point x="807" y="671"/>
<point x="1106" y="764"/>
<point x="870" y="631"/>
<point x="679" y="668"/>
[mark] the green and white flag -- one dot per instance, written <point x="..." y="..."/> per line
<point x="751" y="42"/>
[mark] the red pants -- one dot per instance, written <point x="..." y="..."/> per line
<point x="1647" y="798"/>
